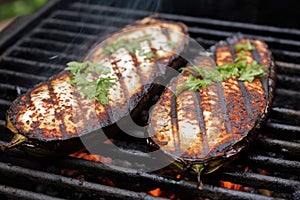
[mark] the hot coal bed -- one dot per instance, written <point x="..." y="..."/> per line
<point x="35" y="47"/>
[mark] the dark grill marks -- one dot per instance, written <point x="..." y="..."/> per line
<point x="58" y="114"/>
<point x="201" y="121"/>
<point x="255" y="91"/>
<point x="235" y="106"/>
<point x="222" y="101"/>
<point x="156" y="64"/>
<point x="256" y="56"/>
<point x="200" y="113"/>
<point x="117" y="72"/>
<point x="174" y="121"/>
<point x="138" y="66"/>
<point x="209" y="102"/>
<point x="244" y="91"/>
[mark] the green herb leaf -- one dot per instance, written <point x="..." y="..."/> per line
<point x="75" y="67"/>
<point x="131" y="46"/>
<point x="97" y="88"/>
<point x="247" y="46"/>
<point x="148" y="54"/>
<point x="227" y="71"/>
<point x="249" y="73"/>
<point x="240" y="69"/>
<point x="192" y="83"/>
<point x="208" y="73"/>
<point x="170" y="44"/>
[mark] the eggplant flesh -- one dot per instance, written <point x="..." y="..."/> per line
<point x="51" y="117"/>
<point x="202" y="130"/>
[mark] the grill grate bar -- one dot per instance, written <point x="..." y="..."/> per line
<point x="276" y="129"/>
<point x="219" y="34"/>
<point x="78" y="27"/>
<point x="274" y="42"/>
<point x="276" y="164"/>
<point x="9" y="92"/>
<point x="290" y="117"/>
<point x="288" y="82"/>
<point x="2" y="123"/>
<point x="188" y="189"/>
<point x="19" y="78"/>
<point x="63" y="36"/>
<point x="198" y="21"/>
<point x="104" y="9"/>
<point x="262" y="181"/>
<point x="51" y="45"/>
<point x="288" y="68"/>
<point x="91" y="18"/>
<point x="286" y="98"/>
<point x="5" y="102"/>
<point x="40" y="55"/>
<point x="69" y="183"/>
<point x="287" y="148"/>
<point x="47" y="53"/>
<point x="285" y="55"/>
<point x="22" y="65"/>
<point x="13" y="193"/>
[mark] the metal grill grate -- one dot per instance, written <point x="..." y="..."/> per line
<point x="62" y="32"/>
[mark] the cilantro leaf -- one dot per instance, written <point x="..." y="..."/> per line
<point x="131" y="46"/>
<point x="227" y="71"/>
<point x="251" y="72"/>
<point x="192" y="83"/>
<point x="98" y="87"/>
<point x="202" y="76"/>
<point x="75" y="67"/>
<point x="208" y="73"/>
<point x="247" y="46"/>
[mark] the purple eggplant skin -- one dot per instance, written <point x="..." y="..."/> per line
<point x="53" y="117"/>
<point x="202" y="130"/>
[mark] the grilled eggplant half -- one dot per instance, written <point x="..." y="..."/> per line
<point x="202" y="129"/>
<point x="50" y="118"/>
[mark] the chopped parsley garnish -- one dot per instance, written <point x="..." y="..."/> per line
<point x="201" y="77"/>
<point x="247" y="46"/>
<point x="83" y="76"/>
<point x="193" y="83"/>
<point x="171" y="44"/>
<point x="132" y="46"/>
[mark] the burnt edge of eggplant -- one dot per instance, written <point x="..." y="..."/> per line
<point x="232" y="151"/>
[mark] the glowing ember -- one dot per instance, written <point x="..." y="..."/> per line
<point x="230" y="185"/>
<point x="91" y="157"/>
<point x="107" y="181"/>
<point x="156" y="192"/>
<point x="264" y="172"/>
<point x="159" y="193"/>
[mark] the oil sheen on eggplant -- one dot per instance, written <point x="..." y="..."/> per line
<point x="201" y="130"/>
<point x="50" y="118"/>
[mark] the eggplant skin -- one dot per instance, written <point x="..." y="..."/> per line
<point x="53" y="113"/>
<point x="201" y="130"/>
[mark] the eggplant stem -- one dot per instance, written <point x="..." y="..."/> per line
<point x="198" y="168"/>
<point x="17" y="140"/>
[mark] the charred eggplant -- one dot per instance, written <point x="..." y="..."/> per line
<point x="211" y="111"/>
<point x="50" y="118"/>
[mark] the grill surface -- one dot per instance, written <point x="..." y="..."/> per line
<point x="38" y="47"/>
